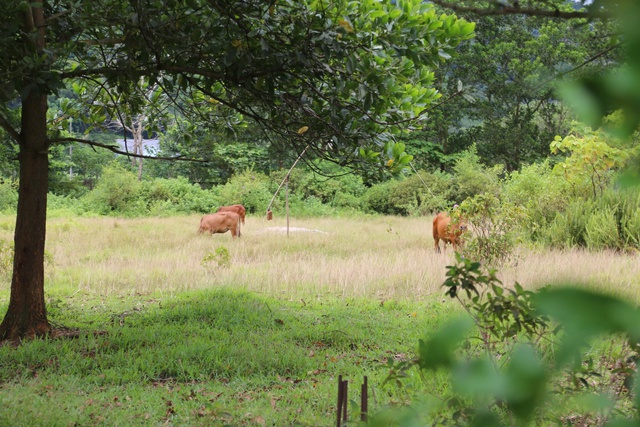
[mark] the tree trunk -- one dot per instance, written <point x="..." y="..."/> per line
<point x="27" y="315"/>
<point x="138" y="127"/>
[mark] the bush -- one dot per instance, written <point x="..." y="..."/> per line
<point x="493" y="229"/>
<point x="118" y="191"/>
<point x="8" y="195"/>
<point x="326" y="189"/>
<point x="250" y="189"/>
<point x="524" y="358"/>
<point x="308" y="207"/>
<point x="432" y="191"/>
<point x="377" y="200"/>
<point x="349" y="201"/>
<point x="418" y="194"/>
<point x="472" y="178"/>
<point x="61" y="206"/>
<point x="540" y="192"/>
<point x="176" y="195"/>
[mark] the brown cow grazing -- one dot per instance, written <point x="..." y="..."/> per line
<point x="448" y="232"/>
<point x="221" y="222"/>
<point x="239" y="209"/>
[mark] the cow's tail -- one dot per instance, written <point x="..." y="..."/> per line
<point x="239" y="221"/>
<point x="435" y="227"/>
<point x="200" y="229"/>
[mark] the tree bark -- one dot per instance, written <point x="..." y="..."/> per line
<point x="26" y="316"/>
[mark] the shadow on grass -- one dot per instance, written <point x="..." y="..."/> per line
<point x="219" y="334"/>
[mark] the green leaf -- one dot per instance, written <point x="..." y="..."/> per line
<point x="585" y="315"/>
<point x="438" y="350"/>
<point x="395" y="13"/>
<point x="526" y="379"/>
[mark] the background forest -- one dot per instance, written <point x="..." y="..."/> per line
<point x="499" y="131"/>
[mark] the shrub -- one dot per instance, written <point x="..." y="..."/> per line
<point x="493" y="228"/>
<point x="176" y="195"/>
<point x="118" y="191"/>
<point x="376" y="198"/>
<point x="61" y="206"/>
<point x="308" y="207"/>
<point x="418" y="194"/>
<point x="325" y="188"/>
<point x="432" y="191"/>
<point x="472" y="178"/>
<point x="8" y="194"/>
<point x="346" y="200"/>
<point x="250" y="189"/>
<point x="524" y="358"/>
<point x="539" y="192"/>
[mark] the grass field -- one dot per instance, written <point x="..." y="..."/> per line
<point x="206" y="330"/>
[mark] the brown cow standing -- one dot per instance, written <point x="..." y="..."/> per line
<point x="239" y="209"/>
<point x="221" y="222"/>
<point x="444" y="230"/>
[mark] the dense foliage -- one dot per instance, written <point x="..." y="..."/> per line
<point x="525" y="358"/>
<point x="577" y="202"/>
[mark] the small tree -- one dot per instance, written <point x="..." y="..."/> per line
<point x="593" y="157"/>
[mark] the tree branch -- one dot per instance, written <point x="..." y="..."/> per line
<point x="4" y="124"/>
<point x="503" y="9"/>
<point x="116" y="149"/>
<point x="577" y="67"/>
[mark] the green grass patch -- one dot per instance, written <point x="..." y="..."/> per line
<point x="209" y="357"/>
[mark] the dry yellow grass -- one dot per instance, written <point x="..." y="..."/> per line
<point x="383" y="257"/>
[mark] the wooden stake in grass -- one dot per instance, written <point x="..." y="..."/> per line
<point x="364" y="400"/>
<point x="343" y="399"/>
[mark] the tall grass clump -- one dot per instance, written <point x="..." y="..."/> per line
<point x="609" y="221"/>
<point x="6" y="259"/>
<point x="631" y="228"/>
<point x="601" y="231"/>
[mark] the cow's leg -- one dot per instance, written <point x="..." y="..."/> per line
<point x="436" y="244"/>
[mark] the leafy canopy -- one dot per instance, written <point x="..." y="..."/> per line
<point x="352" y="71"/>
